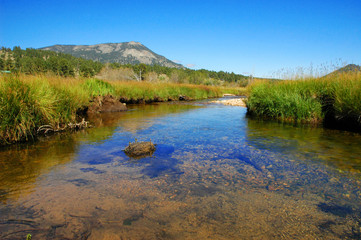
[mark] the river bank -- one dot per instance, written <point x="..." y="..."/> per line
<point x="333" y="101"/>
<point x="29" y="102"/>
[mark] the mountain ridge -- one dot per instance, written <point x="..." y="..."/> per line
<point x="349" y="68"/>
<point x="346" y="69"/>
<point x="124" y="53"/>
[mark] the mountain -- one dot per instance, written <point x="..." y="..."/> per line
<point x="123" y="53"/>
<point x="346" y="69"/>
<point x="349" y="68"/>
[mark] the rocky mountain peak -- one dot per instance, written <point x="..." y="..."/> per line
<point x="124" y="53"/>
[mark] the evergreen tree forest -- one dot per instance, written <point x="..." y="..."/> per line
<point x="35" y="61"/>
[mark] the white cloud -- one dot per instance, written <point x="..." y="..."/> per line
<point x="190" y="65"/>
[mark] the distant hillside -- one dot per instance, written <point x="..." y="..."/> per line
<point x="346" y="69"/>
<point x="350" y="68"/>
<point x="123" y="53"/>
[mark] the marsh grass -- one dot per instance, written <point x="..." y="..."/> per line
<point x="164" y="91"/>
<point x="311" y="100"/>
<point x="28" y="102"/>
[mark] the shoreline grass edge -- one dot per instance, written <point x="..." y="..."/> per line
<point x="333" y="101"/>
<point x="28" y="102"/>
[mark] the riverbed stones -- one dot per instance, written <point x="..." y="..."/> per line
<point x="139" y="149"/>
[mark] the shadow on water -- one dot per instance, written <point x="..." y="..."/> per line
<point x="162" y="163"/>
<point x="159" y="164"/>
<point x="341" y="211"/>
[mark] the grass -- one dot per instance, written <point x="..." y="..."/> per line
<point x="313" y="100"/>
<point x="28" y="102"/>
<point x="164" y="91"/>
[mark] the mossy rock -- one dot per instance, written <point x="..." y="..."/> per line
<point x="140" y="149"/>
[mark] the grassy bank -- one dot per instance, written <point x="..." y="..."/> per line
<point x="332" y="100"/>
<point x="28" y="102"/>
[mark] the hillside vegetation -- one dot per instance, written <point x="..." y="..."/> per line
<point x="35" y="61"/>
<point x="156" y="73"/>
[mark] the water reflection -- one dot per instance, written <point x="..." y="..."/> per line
<point x="214" y="175"/>
<point x="340" y="149"/>
<point x="20" y="165"/>
<point x="139" y="117"/>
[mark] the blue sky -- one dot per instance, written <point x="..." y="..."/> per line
<point x="262" y="38"/>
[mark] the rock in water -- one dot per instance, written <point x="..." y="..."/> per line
<point x="140" y="149"/>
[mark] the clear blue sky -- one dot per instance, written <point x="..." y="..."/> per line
<point x="259" y="37"/>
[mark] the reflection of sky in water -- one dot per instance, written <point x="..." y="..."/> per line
<point x="203" y="155"/>
<point x="218" y="132"/>
<point x="203" y="129"/>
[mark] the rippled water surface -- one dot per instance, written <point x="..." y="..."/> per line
<point x="215" y="174"/>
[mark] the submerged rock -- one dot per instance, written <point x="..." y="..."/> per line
<point x="139" y="149"/>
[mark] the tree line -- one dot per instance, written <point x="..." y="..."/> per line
<point x="184" y="75"/>
<point x="35" y="61"/>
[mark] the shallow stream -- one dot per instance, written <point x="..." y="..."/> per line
<point x="215" y="174"/>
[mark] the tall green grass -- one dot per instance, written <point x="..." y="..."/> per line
<point x="347" y="98"/>
<point x="284" y="102"/>
<point x="28" y="102"/>
<point x="312" y="100"/>
<point x="27" y="105"/>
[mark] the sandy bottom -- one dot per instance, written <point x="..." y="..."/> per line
<point x="211" y="200"/>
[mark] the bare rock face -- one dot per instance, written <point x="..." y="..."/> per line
<point x="106" y="104"/>
<point x="124" y="53"/>
<point x="139" y="149"/>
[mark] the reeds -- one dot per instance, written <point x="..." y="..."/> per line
<point x="312" y="100"/>
<point x="28" y="102"/>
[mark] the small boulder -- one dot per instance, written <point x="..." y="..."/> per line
<point x="140" y="149"/>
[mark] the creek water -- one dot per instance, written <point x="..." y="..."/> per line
<point x="215" y="174"/>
